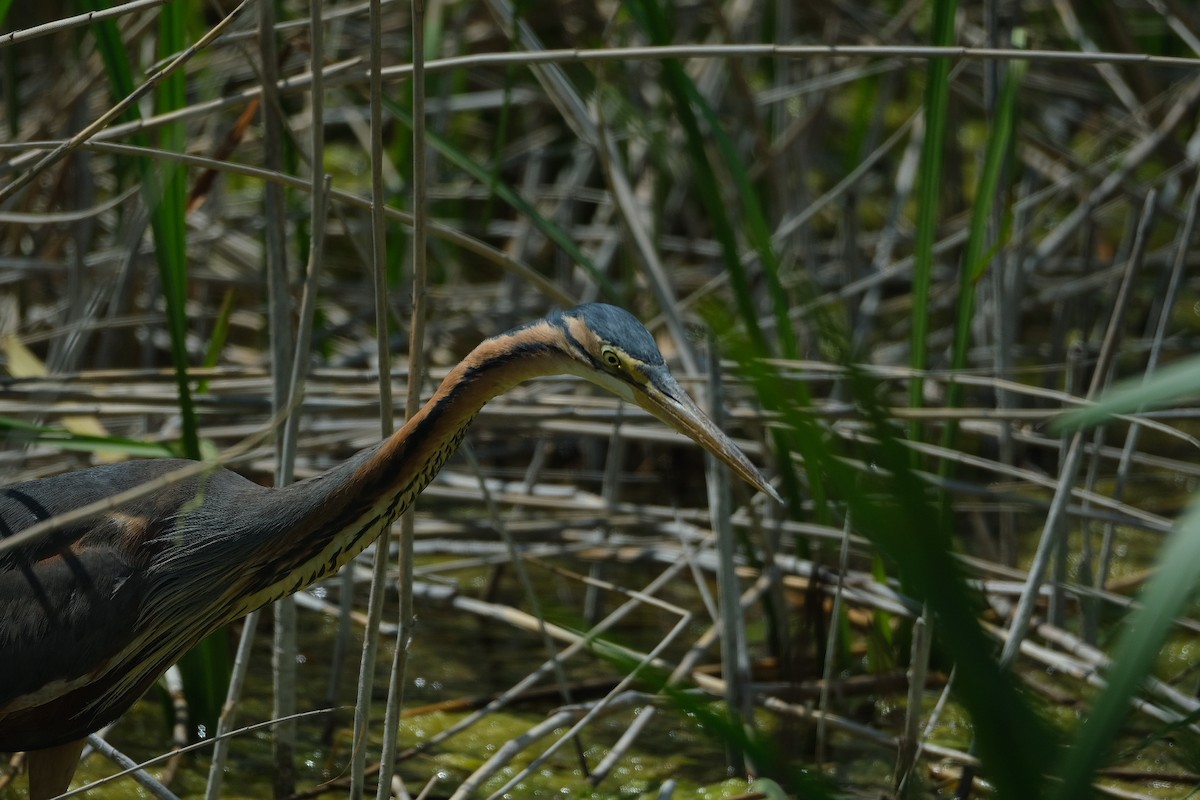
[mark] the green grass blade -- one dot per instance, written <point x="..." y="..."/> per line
<point x="168" y="218"/>
<point x="686" y="97"/>
<point x="206" y="668"/>
<point x="18" y="431"/>
<point x="937" y="97"/>
<point x="220" y="334"/>
<point x="978" y="256"/>
<point x="805" y="441"/>
<point x="1146" y="629"/>
<point x="1175" y="582"/>
<point x="653" y="20"/>
<point x="165" y="199"/>
<point x="116" y="61"/>
<point x="1164" y="386"/>
<point x="754" y="220"/>
<point x="891" y="505"/>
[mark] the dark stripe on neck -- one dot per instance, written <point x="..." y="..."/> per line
<point x="414" y="446"/>
<point x="561" y="323"/>
<point x="516" y="352"/>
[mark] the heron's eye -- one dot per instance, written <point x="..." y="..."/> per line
<point x="611" y="358"/>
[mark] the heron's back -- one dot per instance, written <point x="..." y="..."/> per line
<point x="72" y="603"/>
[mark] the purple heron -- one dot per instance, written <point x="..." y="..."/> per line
<point x="92" y="615"/>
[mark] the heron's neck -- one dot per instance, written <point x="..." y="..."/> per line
<point x="409" y="459"/>
<point x="335" y="516"/>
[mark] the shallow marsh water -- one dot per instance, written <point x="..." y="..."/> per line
<point x="456" y="656"/>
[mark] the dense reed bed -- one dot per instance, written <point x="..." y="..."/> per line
<point x="889" y="245"/>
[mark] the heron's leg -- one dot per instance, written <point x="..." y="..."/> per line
<point x="50" y="770"/>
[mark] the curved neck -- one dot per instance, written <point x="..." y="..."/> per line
<point x="333" y="517"/>
<point x="408" y="460"/>
<point x="285" y="539"/>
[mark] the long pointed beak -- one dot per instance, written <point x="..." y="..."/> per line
<point x="665" y="398"/>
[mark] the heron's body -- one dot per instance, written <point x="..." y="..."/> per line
<point x="92" y="615"/>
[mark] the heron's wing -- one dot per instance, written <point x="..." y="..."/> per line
<point x="68" y="602"/>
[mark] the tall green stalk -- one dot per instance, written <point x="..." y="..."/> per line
<point x="687" y="101"/>
<point x="978" y="255"/>
<point x="164" y="193"/>
<point x="206" y="667"/>
<point x="168" y="211"/>
<point x="937" y="95"/>
<point x="165" y="197"/>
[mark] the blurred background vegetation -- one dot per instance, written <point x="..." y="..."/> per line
<point x="909" y="264"/>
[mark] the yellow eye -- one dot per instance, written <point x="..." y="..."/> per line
<point x="611" y="358"/>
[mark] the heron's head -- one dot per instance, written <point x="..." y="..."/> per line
<point x="609" y="347"/>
